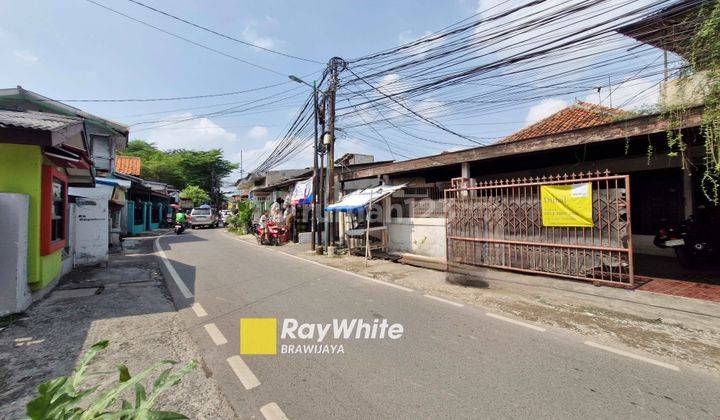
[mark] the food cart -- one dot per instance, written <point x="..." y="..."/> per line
<point x="364" y="230"/>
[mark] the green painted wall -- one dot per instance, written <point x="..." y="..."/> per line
<point x="21" y="172"/>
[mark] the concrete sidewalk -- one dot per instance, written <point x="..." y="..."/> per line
<point x="126" y="303"/>
<point x="675" y="327"/>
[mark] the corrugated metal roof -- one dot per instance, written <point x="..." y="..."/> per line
<point x="36" y="120"/>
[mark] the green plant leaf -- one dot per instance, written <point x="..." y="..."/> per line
<point x="140" y="395"/>
<point x="79" y="374"/>
<point x="124" y="373"/>
<point x="165" y="381"/>
<point x="40" y="406"/>
<point x="101" y="404"/>
<point x="162" y="378"/>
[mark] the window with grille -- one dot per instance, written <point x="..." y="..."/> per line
<point x="58" y="211"/>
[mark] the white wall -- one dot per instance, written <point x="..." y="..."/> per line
<point x="68" y="262"/>
<point x="14" y="290"/>
<point x="420" y="236"/>
<point x="91" y="233"/>
<point x="426" y="237"/>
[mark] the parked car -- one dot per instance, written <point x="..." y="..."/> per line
<point x="224" y="215"/>
<point x="203" y="216"/>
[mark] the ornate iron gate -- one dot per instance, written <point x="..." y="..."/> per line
<point x="499" y="224"/>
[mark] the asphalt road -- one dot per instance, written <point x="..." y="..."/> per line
<point x="451" y="362"/>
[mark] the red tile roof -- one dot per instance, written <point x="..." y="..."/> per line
<point x="128" y="165"/>
<point x="576" y="116"/>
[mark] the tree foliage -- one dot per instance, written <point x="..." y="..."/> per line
<point x="196" y="194"/>
<point x="180" y="167"/>
<point x="241" y="221"/>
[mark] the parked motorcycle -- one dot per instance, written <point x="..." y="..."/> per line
<point x="693" y="240"/>
<point x="276" y="234"/>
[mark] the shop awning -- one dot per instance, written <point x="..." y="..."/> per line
<point x="359" y="199"/>
<point x="114" y="182"/>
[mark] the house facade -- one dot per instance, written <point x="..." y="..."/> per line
<point x="583" y="138"/>
<point x="148" y="203"/>
<point x="37" y="165"/>
<point x="47" y="148"/>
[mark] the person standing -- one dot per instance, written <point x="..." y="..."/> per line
<point x="289" y="216"/>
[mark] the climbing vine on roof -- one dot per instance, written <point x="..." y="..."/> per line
<point x="704" y="61"/>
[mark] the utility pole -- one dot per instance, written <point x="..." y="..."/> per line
<point x="336" y="65"/>
<point x="213" y="196"/>
<point x="316" y="178"/>
<point x="241" y="165"/>
<point x="321" y="188"/>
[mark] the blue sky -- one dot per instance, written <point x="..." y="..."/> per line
<point x="73" y="49"/>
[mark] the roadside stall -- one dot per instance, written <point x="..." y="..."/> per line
<point x="364" y="228"/>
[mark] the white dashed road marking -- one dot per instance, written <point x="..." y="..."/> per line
<point x="243" y="372"/>
<point x="513" y="321"/>
<point x="199" y="310"/>
<point x="175" y="276"/>
<point x="444" y="300"/>
<point x="272" y="411"/>
<point x="633" y="356"/>
<point x="217" y="337"/>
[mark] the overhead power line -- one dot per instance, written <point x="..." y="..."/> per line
<point x="197" y="44"/>
<point x="212" y="31"/>
<point x="486" y="65"/>
<point x="171" y="98"/>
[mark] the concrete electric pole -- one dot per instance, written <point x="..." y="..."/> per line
<point x="336" y="65"/>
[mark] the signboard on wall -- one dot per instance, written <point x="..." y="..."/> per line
<point x="567" y="205"/>
<point x="118" y="196"/>
<point x="303" y="192"/>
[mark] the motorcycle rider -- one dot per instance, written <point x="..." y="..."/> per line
<point x="181" y="217"/>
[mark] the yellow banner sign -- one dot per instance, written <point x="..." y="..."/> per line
<point x="567" y="205"/>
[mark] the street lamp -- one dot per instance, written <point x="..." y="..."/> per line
<point x="299" y="80"/>
<point x="316" y="195"/>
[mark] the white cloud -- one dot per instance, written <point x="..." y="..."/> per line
<point x="258" y="132"/>
<point x="26" y="56"/>
<point x="406" y="36"/>
<point x="632" y="94"/>
<point x="421" y="49"/>
<point x="253" y="33"/>
<point x="253" y="157"/>
<point x="429" y="108"/>
<point x="544" y="109"/>
<point x="195" y="134"/>
<point x="484" y="5"/>
<point x="389" y="83"/>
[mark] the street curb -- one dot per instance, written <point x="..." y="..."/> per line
<point x="374" y="280"/>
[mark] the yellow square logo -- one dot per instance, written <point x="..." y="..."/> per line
<point x="258" y="336"/>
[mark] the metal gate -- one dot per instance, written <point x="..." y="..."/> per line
<point x="499" y="224"/>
